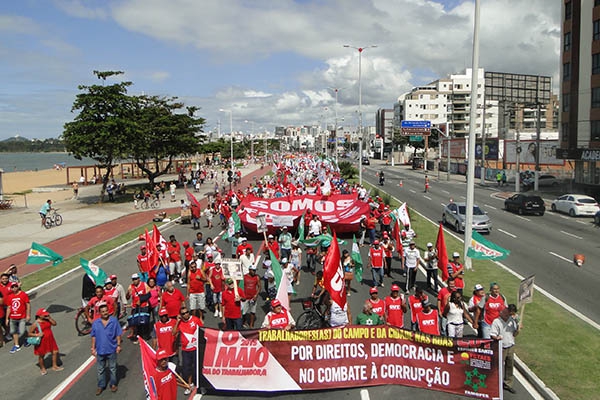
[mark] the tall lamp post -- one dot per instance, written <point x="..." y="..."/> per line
<point x="336" y="90"/>
<point x="231" y="132"/>
<point x="360" y="132"/>
<point x="251" y="139"/>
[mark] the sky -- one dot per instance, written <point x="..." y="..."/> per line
<point x="271" y="62"/>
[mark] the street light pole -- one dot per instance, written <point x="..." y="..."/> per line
<point x="231" y="132"/>
<point x="251" y="140"/>
<point x="360" y="131"/>
<point x="336" y="90"/>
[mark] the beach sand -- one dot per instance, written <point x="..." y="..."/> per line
<point x="23" y="181"/>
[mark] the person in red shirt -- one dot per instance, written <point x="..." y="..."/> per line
<point x="196" y="212"/>
<point x="251" y="290"/>
<point x="196" y="292"/>
<point x="172" y="299"/>
<point x="395" y="307"/>
<point x="95" y="302"/>
<point x="175" y="264"/>
<point x="490" y="305"/>
<point x="241" y="249"/>
<point x="18" y="313"/>
<point x="415" y="302"/>
<point x="232" y="306"/>
<point x="188" y="255"/>
<point x="428" y="319"/>
<point x="163" y="381"/>
<point x="273" y="246"/>
<point x="377" y="263"/>
<point x="187" y="326"/>
<point x="143" y="263"/>
<point x="457" y="271"/>
<point x="377" y="303"/>
<point x="163" y="336"/>
<point x="4" y="292"/>
<point x="139" y="293"/>
<point x="216" y="278"/>
<point x="278" y="317"/>
<point x="442" y="300"/>
<point x="478" y="294"/>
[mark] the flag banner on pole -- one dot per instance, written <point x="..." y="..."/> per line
<point x="152" y="251"/>
<point x="192" y="199"/>
<point x="233" y="225"/>
<point x="333" y="274"/>
<point x="301" y="227"/>
<point x="160" y="240"/>
<point x="280" y="278"/>
<point x="357" y="258"/>
<point x="275" y="360"/>
<point x="39" y="254"/>
<point x="324" y="239"/>
<point x="148" y="356"/>
<point x="397" y="239"/>
<point x="94" y="271"/>
<point x="440" y="245"/>
<point x="482" y="249"/>
<point x="403" y="215"/>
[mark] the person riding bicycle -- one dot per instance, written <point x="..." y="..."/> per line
<point x="45" y="210"/>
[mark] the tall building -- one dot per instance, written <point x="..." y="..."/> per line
<point x="384" y="128"/>
<point x="580" y="91"/>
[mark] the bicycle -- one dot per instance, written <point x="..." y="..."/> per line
<point x="311" y="318"/>
<point x="82" y="325"/>
<point x="147" y="203"/>
<point x="53" y="219"/>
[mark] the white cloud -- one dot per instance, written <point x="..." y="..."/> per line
<point x="76" y="8"/>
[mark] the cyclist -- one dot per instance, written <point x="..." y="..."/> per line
<point x="45" y="210"/>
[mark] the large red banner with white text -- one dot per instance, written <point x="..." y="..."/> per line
<point x="352" y="356"/>
<point x="341" y="211"/>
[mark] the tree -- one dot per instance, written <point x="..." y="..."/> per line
<point x="163" y="131"/>
<point x="104" y="127"/>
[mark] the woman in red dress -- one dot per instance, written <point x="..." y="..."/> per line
<point x="43" y="328"/>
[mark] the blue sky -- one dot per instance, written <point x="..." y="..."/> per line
<point x="270" y="61"/>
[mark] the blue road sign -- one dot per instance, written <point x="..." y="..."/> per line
<point x="416" y="128"/>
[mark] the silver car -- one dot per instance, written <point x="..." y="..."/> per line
<point x="454" y="215"/>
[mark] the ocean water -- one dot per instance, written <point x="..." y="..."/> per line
<point x="11" y="162"/>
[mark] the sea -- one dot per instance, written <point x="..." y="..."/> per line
<point x="12" y="162"/>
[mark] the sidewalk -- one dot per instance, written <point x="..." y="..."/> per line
<point x="85" y="225"/>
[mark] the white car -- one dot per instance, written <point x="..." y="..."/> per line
<point x="576" y="204"/>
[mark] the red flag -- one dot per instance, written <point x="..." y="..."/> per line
<point x="148" y="366"/>
<point x="440" y="245"/>
<point x="396" y="233"/>
<point x="192" y="199"/>
<point x="333" y="274"/>
<point x="158" y="239"/>
<point x="152" y="251"/>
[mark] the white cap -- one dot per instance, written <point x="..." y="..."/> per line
<point x="271" y="236"/>
<point x="284" y="260"/>
<point x="243" y="239"/>
<point x="429" y="244"/>
<point x="455" y="254"/>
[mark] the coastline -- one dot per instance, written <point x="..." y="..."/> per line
<point x="22" y="181"/>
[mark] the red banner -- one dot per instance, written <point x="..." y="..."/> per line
<point x="341" y="211"/>
<point x="353" y="356"/>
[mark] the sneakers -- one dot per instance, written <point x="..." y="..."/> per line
<point x="184" y="285"/>
<point x="220" y="314"/>
<point x="216" y="313"/>
<point x="189" y="389"/>
<point x="15" y="349"/>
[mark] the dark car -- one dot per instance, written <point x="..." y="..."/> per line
<point x="525" y="204"/>
<point x="365" y="161"/>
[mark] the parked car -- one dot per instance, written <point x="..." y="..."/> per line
<point x="576" y="204"/>
<point x="522" y="204"/>
<point x="548" y="181"/>
<point x="454" y="215"/>
<point x="365" y="161"/>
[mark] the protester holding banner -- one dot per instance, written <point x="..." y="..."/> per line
<point x="337" y="315"/>
<point x="232" y="297"/>
<point x="395" y="307"/>
<point x="428" y="319"/>
<point x="163" y="337"/>
<point x="415" y="306"/>
<point x="442" y="299"/>
<point x="368" y="317"/>
<point x="478" y="294"/>
<point x="187" y="326"/>
<point x="251" y="290"/>
<point x="377" y="304"/>
<point x="490" y="306"/>
<point x="377" y="263"/>
<point x="164" y="381"/>
<point x="456" y="313"/>
<point x="504" y="329"/>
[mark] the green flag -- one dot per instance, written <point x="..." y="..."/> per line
<point x="301" y="227"/>
<point x="482" y="249"/>
<point x="39" y="254"/>
<point x="356" y="257"/>
<point x="94" y="271"/>
<point x="278" y="271"/>
<point x="317" y="240"/>
<point x="234" y="224"/>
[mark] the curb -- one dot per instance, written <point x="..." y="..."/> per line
<point x="534" y="381"/>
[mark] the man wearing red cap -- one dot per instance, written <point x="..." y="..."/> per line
<point x="395" y="307"/>
<point x="377" y="304"/>
<point x="18" y="312"/>
<point x="278" y="317"/>
<point x="163" y="379"/>
<point x="188" y="255"/>
<point x="143" y="263"/>
<point x="163" y="338"/>
<point x="376" y="262"/>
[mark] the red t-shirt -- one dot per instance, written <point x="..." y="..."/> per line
<point x="251" y="285"/>
<point x="415" y="305"/>
<point x="172" y="301"/>
<point x="187" y="330"/>
<point x="492" y="308"/>
<point x="278" y="320"/>
<point x="189" y="253"/>
<point x="174" y="251"/>
<point x="376" y="256"/>
<point x="164" y="336"/>
<point x="136" y="292"/>
<point x="443" y="297"/>
<point x="165" y="383"/>
<point x="144" y="262"/>
<point x="395" y="315"/>
<point x="5" y="291"/>
<point x="378" y="307"/>
<point x="232" y="309"/>
<point x="274" y="247"/>
<point x="95" y="304"/>
<point x="17" y="305"/>
<point x="195" y="282"/>
<point x="429" y="323"/>
<point x="217" y="278"/>
<point x="241" y="249"/>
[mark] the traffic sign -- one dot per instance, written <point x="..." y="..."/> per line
<point x="416" y="128"/>
<point x="415" y="138"/>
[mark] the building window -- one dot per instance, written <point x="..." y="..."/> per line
<point x="596" y="64"/>
<point x="568" y="10"/>
<point x="567" y="70"/>
<point x="567" y="40"/>
<point x="565" y="102"/>
<point x="595" y="130"/>
<point x="596" y="3"/>
<point x="597" y="29"/>
<point x="595" y="97"/>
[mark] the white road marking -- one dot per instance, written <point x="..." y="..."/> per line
<point x="572" y="235"/>
<point x="492" y="207"/>
<point x="427" y="197"/>
<point x="412" y="191"/>
<point x="561" y="257"/>
<point x="445" y="191"/>
<point x="582" y="223"/>
<point x="73" y="377"/>
<point x="507" y="233"/>
<point x="564" y="217"/>
<point x="523" y="218"/>
<point x="364" y="394"/>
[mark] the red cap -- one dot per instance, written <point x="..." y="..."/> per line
<point x="14" y="284"/>
<point x="186" y="244"/>
<point x="142" y="246"/>
<point x="376" y="242"/>
<point x="373" y="290"/>
<point x="162" y="311"/>
<point x="385" y="234"/>
<point x="275" y="303"/>
<point x="162" y="354"/>
<point x="113" y="276"/>
<point x="395" y="288"/>
<point x="42" y="312"/>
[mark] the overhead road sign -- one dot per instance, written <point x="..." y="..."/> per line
<point x="410" y="128"/>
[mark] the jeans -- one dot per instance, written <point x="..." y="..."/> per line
<point x="103" y="362"/>
<point x="311" y="261"/>
<point x="371" y="235"/>
<point x="485" y="330"/>
<point x="377" y="276"/>
<point x="188" y="359"/>
<point x="233" y="324"/>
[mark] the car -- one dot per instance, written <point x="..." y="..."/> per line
<point x="454" y="215"/>
<point x="365" y="161"/>
<point x="576" y="205"/>
<point x="548" y="181"/>
<point x="525" y="204"/>
<point x="597" y="218"/>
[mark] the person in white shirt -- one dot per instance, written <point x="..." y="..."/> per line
<point x="315" y="226"/>
<point x="412" y="258"/>
<point x="504" y="329"/>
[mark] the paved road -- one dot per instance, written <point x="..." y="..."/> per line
<point x="543" y="246"/>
